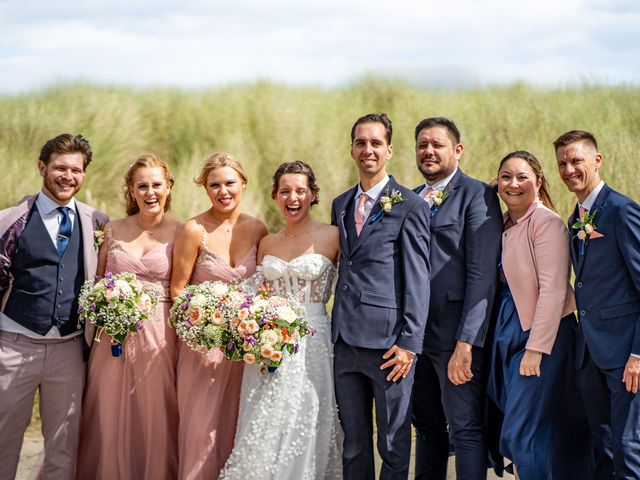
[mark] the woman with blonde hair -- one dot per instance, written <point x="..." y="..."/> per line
<point x="130" y="413"/>
<point x="217" y="244"/>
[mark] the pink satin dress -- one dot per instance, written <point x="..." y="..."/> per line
<point x="209" y="387"/>
<point x="129" y="427"/>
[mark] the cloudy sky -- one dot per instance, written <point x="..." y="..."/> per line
<point x="320" y="42"/>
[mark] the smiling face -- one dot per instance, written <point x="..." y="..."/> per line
<point x="224" y="185"/>
<point x="294" y="197"/>
<point x="62" y="177"/>
<point x="150" y="190"/>
<point x="518" y="185"/>
<point x="579" y="165"/>
<point x="437" y="155"/>
<point x="370" y="150"/>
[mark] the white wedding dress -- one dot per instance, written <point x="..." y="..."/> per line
<point x="288" y="421"/>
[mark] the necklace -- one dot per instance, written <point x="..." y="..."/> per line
<point x="294" y="235"/>
<point x="149" y="231"/>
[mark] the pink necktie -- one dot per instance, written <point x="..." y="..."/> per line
<point x="358" y="215"/>
<point x="427" y="196"/>
<point x="581" y="212"/>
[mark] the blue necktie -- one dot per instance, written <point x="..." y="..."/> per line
<point x="64" y="232"/>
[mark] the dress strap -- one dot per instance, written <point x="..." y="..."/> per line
<point x="203" y="240"/>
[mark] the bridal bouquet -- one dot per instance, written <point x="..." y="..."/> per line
<point x="116" y="304"/>
<point x="202" y="313"/>
<point x="265" y="327"/>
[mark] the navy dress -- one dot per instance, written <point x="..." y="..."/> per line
<point x="544" y="429"/>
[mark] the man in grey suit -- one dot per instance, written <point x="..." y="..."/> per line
<point x="466" y="228"/>
<point x="380" y="306"/>
<point x="46" y="253"/>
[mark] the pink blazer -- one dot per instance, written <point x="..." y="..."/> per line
<point x="536" y="263"/>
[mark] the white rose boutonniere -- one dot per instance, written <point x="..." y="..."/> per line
<point x="98" y="235"/>
<point x="387" y="201"/>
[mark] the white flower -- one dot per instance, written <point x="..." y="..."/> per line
<point x="387" y="207"/>
<point x="112" y="293"/>
<point x="582" y="235"/>
<point x="589" y="228"/>
<point x="287" y="314"/>
<point x="384" y="199"/>
<point x="198" y="300"/>
<point x="144" y="304"/>
<point x="219" y="289"/>
<point x="258" y="304"/>
<point x="124" y="287"/>
<point x="269" y="337"/>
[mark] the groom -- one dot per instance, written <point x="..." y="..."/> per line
<point x="380" y="307"/>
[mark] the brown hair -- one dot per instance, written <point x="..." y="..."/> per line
<point x="300" y="168"/>
<point x="448" y="125"/>
<point x="533" y="162"/>
<point x="64" y="144"/>
<point x="575" y="136"/>
<point x="219" y="160"/>
<point x="374" y="118"/>
<point x="147" y="160"/>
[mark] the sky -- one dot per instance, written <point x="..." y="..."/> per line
<point x="201" y="43"/>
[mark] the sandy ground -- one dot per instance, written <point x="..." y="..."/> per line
<point x="31" y="455"/>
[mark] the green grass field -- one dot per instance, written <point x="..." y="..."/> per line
<point x="264" y="124"/>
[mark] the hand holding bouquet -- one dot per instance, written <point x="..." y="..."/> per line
<point x="116" y="304"/>
<point x="201" y="314"/>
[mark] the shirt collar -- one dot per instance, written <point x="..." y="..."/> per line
<point x="374" y="191"/>
<point x="441" y="184"/>
<point x="47" y="206"/>
<point x="591" y="198"/>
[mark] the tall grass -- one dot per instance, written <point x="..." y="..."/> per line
<point x="264" y="124"/>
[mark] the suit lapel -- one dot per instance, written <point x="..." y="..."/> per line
<point x="85" y="215"/>
<point x="598" y="207"/>
<point x="575" y="242"/>
<point x="346" y="221"/>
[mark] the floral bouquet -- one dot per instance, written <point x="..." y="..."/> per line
<point x="202" y="313"/>
<point x="116" y="304"/>
<point x="265" y="327"/>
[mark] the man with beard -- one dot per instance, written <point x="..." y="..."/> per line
<point x="46" y="253"/>
<point x="466" y="227"/>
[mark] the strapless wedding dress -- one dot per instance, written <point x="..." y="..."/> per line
<point x="288" y="421"/>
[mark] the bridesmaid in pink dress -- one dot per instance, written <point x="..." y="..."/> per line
<point x="218" y="244"/>
<point x="129" y="426"/>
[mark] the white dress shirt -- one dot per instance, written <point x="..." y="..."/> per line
<point x="439" y="185"/>
<point x="372" y="193"/>
<point x="591" y="198"/>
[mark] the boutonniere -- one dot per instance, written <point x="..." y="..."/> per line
<point x="98" y="235"/>
<point x="438" y="197"/>
<point x="586" y="228"/>
<point x="387" y="201"/>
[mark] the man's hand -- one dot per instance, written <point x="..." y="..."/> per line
<point x="631" y="376"/>
<point x="530" y="364"/>
<point x="459" y="368"/>
<point x="401" y="363"/>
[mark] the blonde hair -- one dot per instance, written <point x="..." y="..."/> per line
<point x="147" y="160"/>
<point x="219" y="160"/>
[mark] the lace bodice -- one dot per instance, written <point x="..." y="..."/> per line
<point x="309" y="277"/>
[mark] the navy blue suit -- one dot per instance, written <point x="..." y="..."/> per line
<point x="466" y="234"/>
<point x="382" y="298"/>
<point x="607" y="289"/>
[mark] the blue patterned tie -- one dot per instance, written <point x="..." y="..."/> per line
<point x="64" y="232"/>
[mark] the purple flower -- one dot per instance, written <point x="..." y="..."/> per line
<point x="108" y="275"/>
<point x="184" y="306"/>
<point x="187" y="323"/>
<point x="138" y="326"/>
<point x="230" y="346"/>
<point x="111" y="284"/>
<point x="92" y="307"/>
<point x="188" y="295"/>
<point x="296" y="347"/>
<point x="251" y="340"/>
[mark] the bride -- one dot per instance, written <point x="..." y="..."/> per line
<point x="288" y="421"/>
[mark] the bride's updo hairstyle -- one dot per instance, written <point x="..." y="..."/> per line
<point x="296" y="167"/>
<point x="219" y="160"/>
<point x="147" y="160"/>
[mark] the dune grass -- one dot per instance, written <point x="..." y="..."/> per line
<point x="264" y="124"/>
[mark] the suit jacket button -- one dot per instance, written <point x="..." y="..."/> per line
<point x="579" y="284"/>
<point x="582" y="313"/>
<point x="349" y="262"/>
<point x="345" y="288"/>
